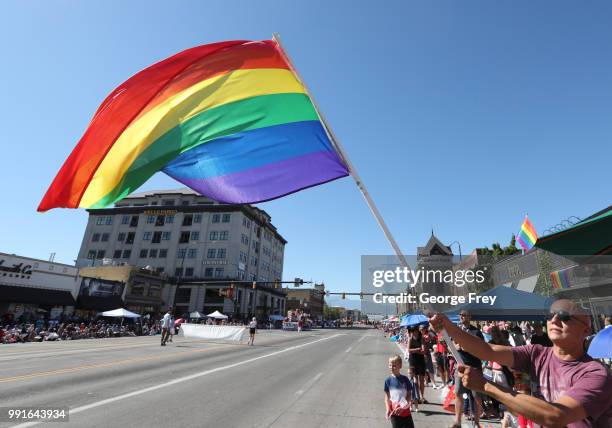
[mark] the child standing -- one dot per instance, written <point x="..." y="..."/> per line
<point x="398" y="395"/>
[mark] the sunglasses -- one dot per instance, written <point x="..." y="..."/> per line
<point x="563" y="316"/>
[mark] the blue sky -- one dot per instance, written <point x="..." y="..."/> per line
<point x="459" y="116"/>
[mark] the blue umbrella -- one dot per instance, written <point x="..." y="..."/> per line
<point x="414" y="320"/>
<point x="601" y="345"/>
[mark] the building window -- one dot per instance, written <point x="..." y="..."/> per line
<point x="153" y="253"/>
<point x="181" y="253"/>
<point x="188" y="220"/>
<point x="189" y="271"/>
<point x="246" y="222"/>
<point x="163" y="253"/>
<point x="241" y="275"/>
<point x="150" y="219"/>
<point x="211" y="253"/>
<point x="244" y="239"/>
<point x="195" y="236"/>
<point x="208" y="272"/>
<point x="168" y="202"/>
<point x="105" y="237"/>
<point x="243" y="257"/>
<point x="213" y="236"/>
<point x="125" y="219"/>
<point x="100" y="221"/>
<point x="91" y="254"/>
<point x="157" y="237"/>
<point x="216" y="218"/>
<point x="143" y="254"/>
<point x="134" y="221"/>
<point x="192" y="253"/>
<point x="95" y="237"/>
<point x="146" y="236"/>
<point x="226" y="218"/>
<point x="160" y="220"/>
<point x="121" y="237"/>
<point x="130" y="238"/>
<point x="166" y="236"/>
<point x="223" y="235"/>
<point x="127" y="254"/>
<point x="169" y="219"/>
<point x="178" y="272"/>
<point x="197" y="218"/>
<point x="219" y="272"/>
<point x="117" y="254"/>
<point x="221" y="253"/>
<point x="184" y="238"/>
<point x="159" y="269"/>
<point x="184" y="202"/>
<point x="109" y="220"/>
<point x="254" y="261"/>
<point x="100" y="254"/>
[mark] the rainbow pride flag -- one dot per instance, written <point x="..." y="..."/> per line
<point x="560" y="278"/>
<point x="528" y="236"/>
<point x="230" y="120"/>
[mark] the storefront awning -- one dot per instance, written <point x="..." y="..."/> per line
<point x="35" y="296"/>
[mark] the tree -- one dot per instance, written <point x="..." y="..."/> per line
<point x="330" y="313"/>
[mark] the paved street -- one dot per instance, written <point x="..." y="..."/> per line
<point x="324" y="378"/>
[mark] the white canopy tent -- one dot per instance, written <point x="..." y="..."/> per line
<point x="120" y="313"/>
<point x="196" y="315"/>
<point x="217" y="315"/>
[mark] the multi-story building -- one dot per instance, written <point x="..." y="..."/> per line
<point x="189" y="237"/>
<point x="308" y="300"/>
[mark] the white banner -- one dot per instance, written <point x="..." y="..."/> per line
<point x="214" y="332"/>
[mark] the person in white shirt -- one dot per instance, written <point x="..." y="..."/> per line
<point x="165" y="327"/>
<point x="252" y="329"/>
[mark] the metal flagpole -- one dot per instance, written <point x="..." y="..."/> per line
<point x="361" y="186"/>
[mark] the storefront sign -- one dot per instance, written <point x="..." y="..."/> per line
<point x="17" y="268"/>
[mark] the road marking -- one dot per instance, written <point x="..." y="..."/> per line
<point x="362" y="337"/>
<point x="51" y="353"/>
<point x="101" y="365"/>
<point x="309" y="384"/>
<point x="349" y="349"/>
<point x="179" y="380"/>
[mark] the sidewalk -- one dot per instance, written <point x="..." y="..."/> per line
<point x="432" y="415"/>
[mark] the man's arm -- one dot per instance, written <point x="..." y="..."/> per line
<point x="472" y="344"/>
<point x="560" y="413"/>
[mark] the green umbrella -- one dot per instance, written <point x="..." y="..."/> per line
<point x="591" y="236"/>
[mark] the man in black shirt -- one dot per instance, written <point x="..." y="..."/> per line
<point x="472" y="361"/>
<point x="539" y="337"/>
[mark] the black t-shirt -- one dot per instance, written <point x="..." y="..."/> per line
<point x="543" y="340"/>
<point x="413" y="357"/>
<point x="469" y="359"/>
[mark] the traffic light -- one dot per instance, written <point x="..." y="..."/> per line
<point x="277" y="283"/>
<point x="343" y="296"/>
<point x="361" y="295"/>
<point x="298" y="281"/>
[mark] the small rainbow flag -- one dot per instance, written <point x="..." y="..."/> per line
<point x="528" y="236"/>
<point x="560" y="278"/>
<point x="230" y="120"/>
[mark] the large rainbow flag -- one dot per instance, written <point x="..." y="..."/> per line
<point x="528" y="236"/>
<point x="230" y="120"/>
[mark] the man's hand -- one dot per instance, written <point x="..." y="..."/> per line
<point x="439" y="322"/>
<point x="472" y="378"/>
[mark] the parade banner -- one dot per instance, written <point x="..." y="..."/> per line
<point x="213" y="332"/>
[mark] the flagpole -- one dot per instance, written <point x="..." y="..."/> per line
<point x="360" y="185"/>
